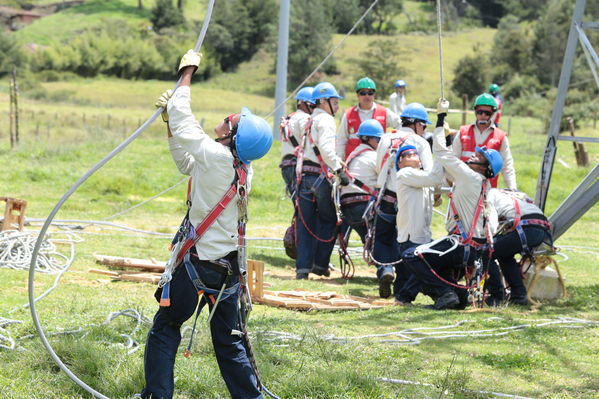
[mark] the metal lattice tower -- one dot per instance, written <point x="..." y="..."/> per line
<point x="586" y="194"/>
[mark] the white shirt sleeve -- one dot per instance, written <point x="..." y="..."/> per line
<point x="188" y="133"/>
<point x="325" y="140"/>
<point x="393" y="119"/>
<point x="508" y="171"/>
<point x="451" y="162"/>
<point x="182" y="159"/>
<point x="342" y="137"/>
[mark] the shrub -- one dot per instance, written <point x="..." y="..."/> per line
<point x="165" y="15"/>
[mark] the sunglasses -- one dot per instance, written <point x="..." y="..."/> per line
<point x="366" y="93"/>
<point x="408" y="153"/>
<point x="483" y="112"/>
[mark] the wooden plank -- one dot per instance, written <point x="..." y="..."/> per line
<point x="104" y="272"/>
<point x="152" y="278"/>
<point x="144" y="264"/>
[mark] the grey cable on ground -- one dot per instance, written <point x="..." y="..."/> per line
<point x="60" y="203"/>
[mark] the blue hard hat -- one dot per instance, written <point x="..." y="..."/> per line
<point x="415" y="111"/>
<point x="324" y="90"/>
<point x="494" y="158"/>
<point x="305" y="94"/>
<point x="400" y="83"/>
<point x="253" y="138"/>
<point x="371" y="127"/>
<point x="402" y="149"/>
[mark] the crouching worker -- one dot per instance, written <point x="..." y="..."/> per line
<point x="205" y="265"/>
<point x="361" y="165"/>
<point x="415" y="198"/>
<point x="470" y="223"/>
<point x="523" y="228"/>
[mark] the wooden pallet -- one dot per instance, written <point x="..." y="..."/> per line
<point x="300" y="299"/>
<point x="138" y="277"/>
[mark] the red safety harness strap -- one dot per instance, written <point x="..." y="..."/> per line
<point x="395" y="144"/>
<point x="240" y="179"/>
<point x="358" y="182"/>
<point x="323" y="165"/>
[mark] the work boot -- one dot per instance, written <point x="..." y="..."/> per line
<point x="494" y="301"/>
<point x="519" y="300"/>
<point x="385" y="282"/>
<point x="301" y="276"/>
<point x="321" y="271"/>
<point x="448" y="300"/>
<point x="399" y="302"/>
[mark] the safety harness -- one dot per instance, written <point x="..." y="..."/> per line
<point x="372" y="211"/>
<point x="518" y="223"/>
<point x="187" y="237"/>
<point x="353" y="125"/>
<point x="476" y="274"/>
<point x="323" y="173"/>
<point x="358" y="182"/>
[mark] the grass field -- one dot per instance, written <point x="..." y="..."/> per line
<point x="68" y="126"/>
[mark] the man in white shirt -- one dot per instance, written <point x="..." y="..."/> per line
<point x="212" y="263"/>
<point x="347" y="139"/>
<point x="484" y="133"/>
<point x="293" y="127"/>
<point x="415" y="198"/>
<point x="397" y="99"/>
<point x="470" y="223"/>
<point x="361" y="165"/>
<point x="524" y="228"/>
<point x="385" y="252"/>
<point x="317" y="219"/>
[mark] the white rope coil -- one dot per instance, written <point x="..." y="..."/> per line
<point x="414" y="336"/>
<point x="6" y="340"/>
<point x="16" y="248"/>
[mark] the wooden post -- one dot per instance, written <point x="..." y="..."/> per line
<point x="14" y="213"/>
<point x="255" y="278"/>
<point x="582" y="157"/>
<point x="465" y="108"/>
<point x="509" y="125"/>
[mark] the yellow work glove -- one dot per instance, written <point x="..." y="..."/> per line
<point x="442" y="106"/>
<point x="191" y="58"/>
<point x="162" y="101"/>
<point x="446" y="129"/>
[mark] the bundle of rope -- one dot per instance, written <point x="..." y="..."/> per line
<point x="6" y="340"/>
<point x="16" y="248"/>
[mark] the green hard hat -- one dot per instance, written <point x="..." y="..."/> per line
<point x="486" y="99"/>
<point x="365" y="83"/>
<point x="493" y="88"/>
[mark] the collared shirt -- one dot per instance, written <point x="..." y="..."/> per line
<point x="504" y="205"/>
<point x="386" y="170"/>
<point x="415" y="189"/>
<point x="363" y="168"/>
<point x="508" y="171"/>
<point x="210" y="165"/>
<point x="397" y="102"/>
<point x="466" y="191"/>
<point x="297" y="125"/>
<point x="323" y="133"/>
<point x="342" y="133"/>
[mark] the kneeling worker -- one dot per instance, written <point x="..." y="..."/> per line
<point x="470" y="222"/>
<point x="209" y="270"/>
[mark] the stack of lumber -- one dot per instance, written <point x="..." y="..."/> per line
<point x="130" y="269"/>
<point x="310" y="300"/>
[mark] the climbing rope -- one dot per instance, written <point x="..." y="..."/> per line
<point x="79" y="182"/>
<point x="6" y="340"/>
<point x="329" y="55"/>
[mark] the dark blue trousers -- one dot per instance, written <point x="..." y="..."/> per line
<point x="288" y="173"/>
<point x="352" y="217"/>
<point x="449" y="266"/>
<point x="319" y="216"/>
<point x="386" y="247"/>
<point x="505" y="248"/>
<point x="165" y="336"/>
<point x="407" y="291"/>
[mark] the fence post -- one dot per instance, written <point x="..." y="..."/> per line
<point x="464" y="107"/>
<point x="582" y="158"/>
